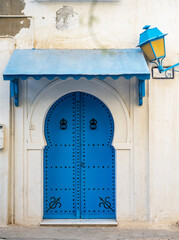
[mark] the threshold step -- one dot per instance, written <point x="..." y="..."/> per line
<point x="69" y="222"/>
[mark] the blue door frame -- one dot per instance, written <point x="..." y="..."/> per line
<point x="79" y="160"/>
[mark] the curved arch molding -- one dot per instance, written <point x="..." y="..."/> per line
<point x="58" y="88"/>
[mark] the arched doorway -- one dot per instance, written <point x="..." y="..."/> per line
<point x="79" y="160"/>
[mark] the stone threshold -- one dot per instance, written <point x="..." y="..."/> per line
<point x="81" y="222"/>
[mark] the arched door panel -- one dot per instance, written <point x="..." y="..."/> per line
<point x="97" y="183"/>
<point x="79" y="161"/>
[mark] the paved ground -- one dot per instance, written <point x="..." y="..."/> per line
<point x="87" y="233"/>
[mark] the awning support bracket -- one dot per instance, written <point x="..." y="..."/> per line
<point x="141" y="91"/>
<point x="14" y="90"/>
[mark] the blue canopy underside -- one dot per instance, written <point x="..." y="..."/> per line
<point x="52" y="63"/>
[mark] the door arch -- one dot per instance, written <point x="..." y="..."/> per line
<point x="79" y="160"/>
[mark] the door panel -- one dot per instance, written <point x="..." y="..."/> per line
<point x="59" y="160"/>
<point x="79" y="161"/>
<point x="97" y="175"/>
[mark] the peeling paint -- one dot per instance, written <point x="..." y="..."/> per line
<point x="11" y="7"/>
<point x="10" y="26"/>
<point x="66" y="18"/>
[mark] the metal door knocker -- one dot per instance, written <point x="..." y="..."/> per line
<point x="93" y="124"/>
<point x="63" y="124"/>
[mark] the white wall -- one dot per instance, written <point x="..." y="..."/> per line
<point x="6" y="47"/>
<point x="164" y="149"/>
<point x="152" y="179"/>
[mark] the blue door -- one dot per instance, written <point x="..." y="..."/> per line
<point x="79" y="161"/>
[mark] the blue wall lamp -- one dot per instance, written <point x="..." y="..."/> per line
<point x="152" y="43"/>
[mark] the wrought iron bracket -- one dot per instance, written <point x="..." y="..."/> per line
<point x="141" y="91"/>
<point x="165" y="70"/>
<point x="170" y="74"/>
<point x="14" y="90"/>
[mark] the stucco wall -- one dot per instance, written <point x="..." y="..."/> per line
<point x="153" y="161"/>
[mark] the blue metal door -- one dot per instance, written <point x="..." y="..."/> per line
<point x="79" y="161"/>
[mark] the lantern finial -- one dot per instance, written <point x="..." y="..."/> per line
<point x="146" y="27"/>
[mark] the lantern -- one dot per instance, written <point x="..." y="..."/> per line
<point x="152" y="43"/>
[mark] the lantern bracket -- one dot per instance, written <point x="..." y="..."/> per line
<point x="165" y="70"/>
<point x="160" y="65"/>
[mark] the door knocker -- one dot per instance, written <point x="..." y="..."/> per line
<point x="93" y="124"/>
<point x="63" y="124"/>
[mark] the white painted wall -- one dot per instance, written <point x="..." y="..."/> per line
<point x="6" y="48"/>
<point x="148" y="183"/>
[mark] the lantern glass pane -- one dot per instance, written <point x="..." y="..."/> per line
<point x="147" y="49"/>
<point x="159" y="48"/>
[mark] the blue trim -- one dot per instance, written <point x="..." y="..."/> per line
<point x="153" y="51"/>
<point x="76" y="77"/>
<point x="141" y="91"/>
<point x="14" y="90"/>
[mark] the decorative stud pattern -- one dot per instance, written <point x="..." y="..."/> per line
<point x="59" y="160"/>
<point x="79" y="164"/>
<point x="78" y="150"/>
<point x="98" y="171"/>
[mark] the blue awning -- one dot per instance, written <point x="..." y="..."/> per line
<point x="52" y="63"/>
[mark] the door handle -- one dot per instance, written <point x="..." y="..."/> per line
<point x="63" y="124"/>
<point x="93" y="124"/>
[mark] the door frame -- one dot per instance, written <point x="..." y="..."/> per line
<point x="58" y="88"/>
